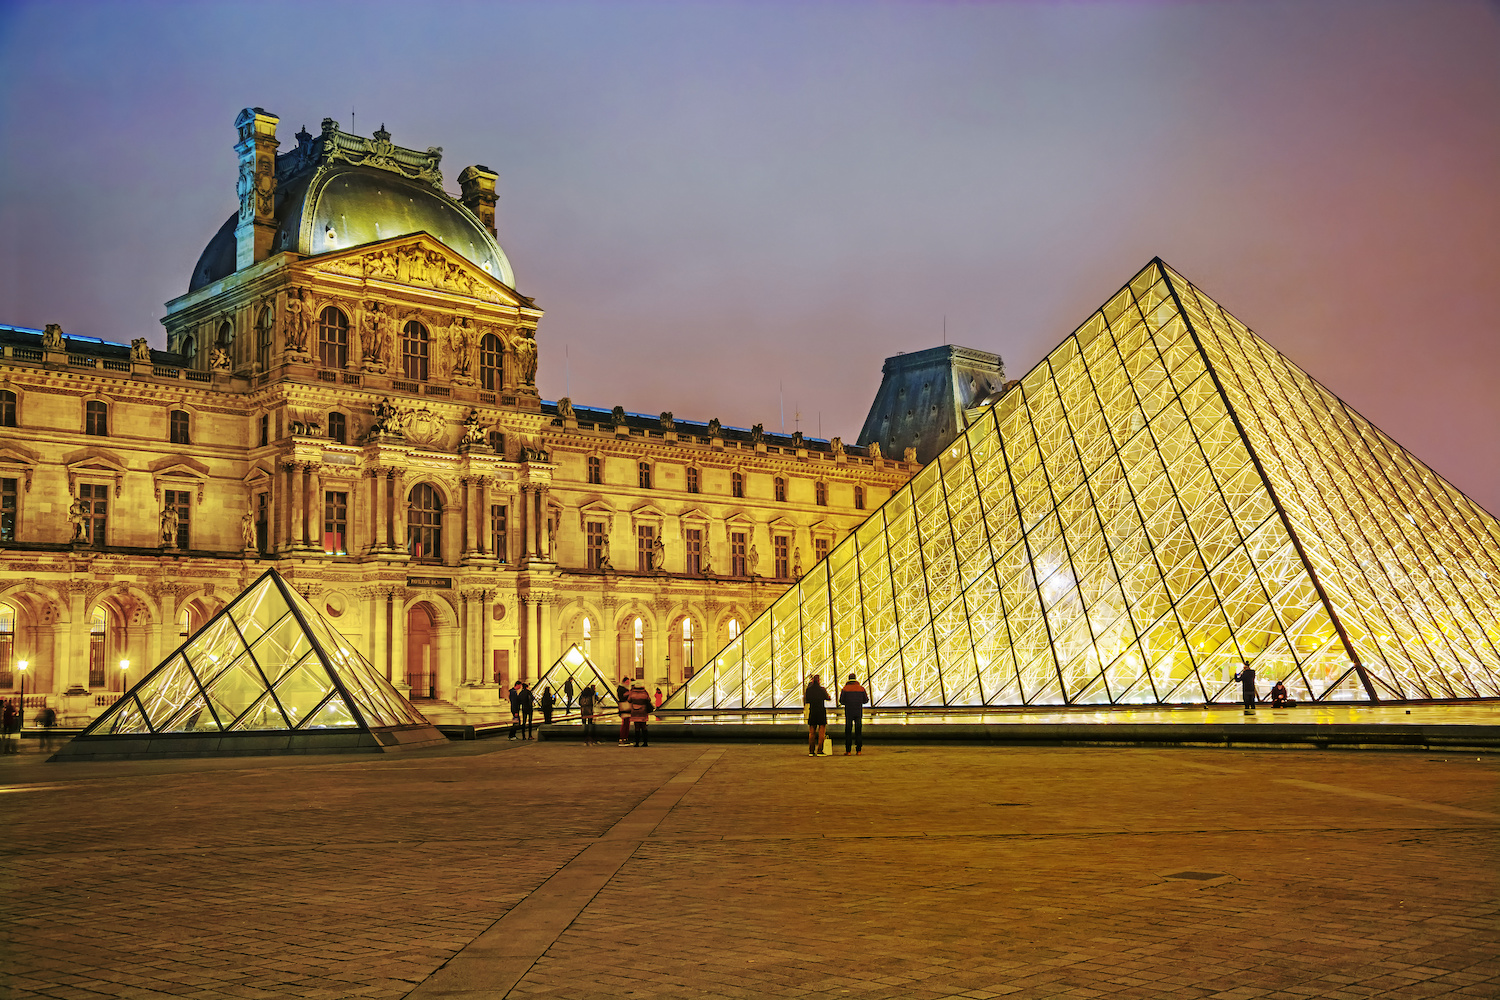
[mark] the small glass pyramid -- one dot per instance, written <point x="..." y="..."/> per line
<point x="267" y="664"/>
<point x="575" y="664"/>
<point x="1162" y="498"/>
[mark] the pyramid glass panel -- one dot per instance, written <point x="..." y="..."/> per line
<point x="575" y="665"/>
<point x="1161" y="499"/>
<point x="266" y="663"/>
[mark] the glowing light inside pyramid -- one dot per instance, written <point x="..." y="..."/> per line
<point x="1163" y="498"/>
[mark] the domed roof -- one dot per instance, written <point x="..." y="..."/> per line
<point x="324" y="204"/>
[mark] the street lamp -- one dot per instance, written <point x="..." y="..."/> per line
<point x="124" y="666"/>
<point x="21" y="665"/>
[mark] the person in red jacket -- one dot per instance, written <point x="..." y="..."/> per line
<point x="640" y="713"/>
<point x="854" y="699"/>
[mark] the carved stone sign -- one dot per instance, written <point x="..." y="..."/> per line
<point x="430" y="582"/>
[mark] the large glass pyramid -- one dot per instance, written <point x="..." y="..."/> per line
<point x="1163" y="497"/>
<point x="576" y="664"/>
<point x="268" y="665"/>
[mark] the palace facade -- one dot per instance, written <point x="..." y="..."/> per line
<point x="349" y="395"/>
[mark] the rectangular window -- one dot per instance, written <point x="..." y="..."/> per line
<point x="335" y="522"/>
<point x="498" y="531"/>
<point x="338" y="428"/>
<point x="694" y="550"/>
<point x="181" y="502"/>
<point x="781" y="544"/>
<point x="692" y="480"/>
<point x="820" y="549"/>
<point x="737" y="485"/>
<point x="859" y="498"/>
<point x="96" y="658"/>
<point x="262" y="522"/>
<point x="7" y="408"/>
<point x="96" y="418"/>
<point x="780" y="490"/>
<point x="596" y="470"/>
<point x="179" y="427"/>
<point x="595" y="534"/>
<point x="497" y="442"/>
<point x="645" y="541"/>
<point x="93" y="507"/>
<point x="737" y="554"/>
<point x="9" y="498"/>
<point x="821" y="492"/>
<point x="265" y="430"/>
<point x="645" y="470"/>
<point x="7" y="649"/>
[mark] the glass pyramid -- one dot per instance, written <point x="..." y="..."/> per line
<point x="1163" y="497"/>
<point x="576" y="664"/>
<point x="267" y="663"/>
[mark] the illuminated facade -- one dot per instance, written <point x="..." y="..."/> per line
<point x="1163" y="497"/>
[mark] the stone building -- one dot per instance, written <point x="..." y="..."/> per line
<point x="349" y="394"/>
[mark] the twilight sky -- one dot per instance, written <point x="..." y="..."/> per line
<point x="712" y="200"/>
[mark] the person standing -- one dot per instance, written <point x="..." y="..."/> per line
<point x="640" y="712"/>
<point x="815" y="697"/>
<point x="515" y="711"/>
<point x="10" y="724"/>
<point x="568" y="694"/>
<point x="622" y="705"/>
<point x="46" y="718"/>
<point x="548" y="701"/>
<point x="1246" y="677"/>
<point x="854" y="698"/>
<point x="528" y="709"/>
<point x="586" y="710"/>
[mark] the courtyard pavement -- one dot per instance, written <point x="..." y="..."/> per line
<point x="491" y="868"/>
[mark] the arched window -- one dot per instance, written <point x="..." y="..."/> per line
<point x="489" y="362"/>
<point x="737" y="484"/>
<point x="7" y="646"/>
<point x="414" y="351"/>
<point x="98" y="639"/>
<point x="185" y="623"/>
<point x="338" y="428"/>
<point x="96" y="418"/>
<point x="588" y="637"/>
<point x="333" y="338"/>
<point x="687" y="648"/>
<point x="7" y="408"/>
<point x="226" y="335"/>
<point x="733" y="626"/>
<point x="424" y="524"/>
<point x="190" y="351"/>
<point x="640" y="649"/>
<point x="780" y="490"/>
<point x="263" y="335"/>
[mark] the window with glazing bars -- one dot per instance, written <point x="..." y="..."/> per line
<point x="859" y="498"/>
<point x="7" y="646"/>
<point x="9" y="505"/>
<point x="781" y="546"/>
<point x="596" y="470"/>
<point x="264" y="331"/>
<point x="182" y="502"/>
<point x="262" y="523"/>
<point x="820" y="549"/>
<point x="414" y="351"/>
<point x="333" y="338"/>
<point x="498" y="532"/>
<point x="93" y="503"/>
<point x="737" y="484"/>
<point x="424" y="524"/>
<point x="692" y="480"/>
<point x="694" y="541"/>
<point x="490" y="360"/>
<point x="335" y="522"/>
<point x="737" y="553"/>
<point x="645" y="539"/>
<point x="96" y="418"/>
<point x="178" y="428"/>
<point x="7" y="408"/>
<point x="338" y="427"/>
<point x="821" y="493"/>
<point x="594" y="533"/>
<point x="645" y="475"/>
<point x="780" y="490"/>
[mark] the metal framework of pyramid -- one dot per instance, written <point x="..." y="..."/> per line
<point x="266" y="675"/>
<point x="1162" y="498"/>
<point x="575" y="663"/>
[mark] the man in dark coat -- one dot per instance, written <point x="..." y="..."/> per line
<point x="640" y="713"/>
<point x="854" y="699"/>
<point x="515" y="710"/>
<point x="1246" y="677"/>
<point x="528" y="707"/>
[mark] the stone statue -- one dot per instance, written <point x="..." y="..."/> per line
<point x="218" y="360"/>
<point x="617" y="416"/>
<point x="667" y="423"/>
<point x="526" y="358"/>
<point x="140" y="351"/>
<point x="52" y="338"/>
<point x="388" y="418"/>
<point x="78" y="521"/>
<point x="715" y="429"/>
<point x="243" y="188"/>
<point x="836" y="445"/>
<point x="604" y="563"/>
<point x="658" y="555"/>
<point x="874" y="449"/>
<point x="247" y="530"/>
<point x="474" y="432"/>
<point x="909" y="455"/>
<point x="796" y="439"/>
<point x="377" y="345"/>
<point x="565" y="409"/>
<point x="265" y="188"/>
<point x="757" y="434"/>
<point x="169" y="527"/>
<point x="754" y="560"/>
<point x="797" y="563"/>
<point x="460" y="347"/>
<point x="296" y="322"/>
<point x="704" y="567"/>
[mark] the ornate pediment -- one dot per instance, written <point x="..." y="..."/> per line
<point x="420" y="262"/>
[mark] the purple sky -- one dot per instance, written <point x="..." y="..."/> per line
<point x="712" y="200"/>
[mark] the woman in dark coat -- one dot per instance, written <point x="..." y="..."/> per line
<point x="816" y="699"/>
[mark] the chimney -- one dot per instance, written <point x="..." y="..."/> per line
<point x="257" y="186"/>
<point x="477" y="184"/>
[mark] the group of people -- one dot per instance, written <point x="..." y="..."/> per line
<point x="852" y="699"/>
<point x="633" y="704"/>
<point x="1278" y="697"/>
<point x="12" y="718"/>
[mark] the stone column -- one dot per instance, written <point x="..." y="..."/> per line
<point x="546" y="642"/>
<point x="523" y="522"/>
<point x="315" y="501"/>
<point x="298" y="494"/>
<point x="398" y="637"/>
<point x="486" y="659"/>
<point x="528" y="641"/>
<point x="482" y="488"/>
<point x="398" y="512"/>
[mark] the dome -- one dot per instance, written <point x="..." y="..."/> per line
<point x="324" y="205"/>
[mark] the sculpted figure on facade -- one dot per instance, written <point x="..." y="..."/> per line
<point x="836" y="445"/>
<point x="757" y="434"/>
<point x="78" y="522"/>
<point x="461" y="349"/>
<point x="874" y="449"/>
<point x="388" y="418"/>
<point x="247" y="530"/>
<point x="754" y="560"/>
<point x="245" y="188"/>
<point x="797" y="563"/>
<point x="667" y="423"/>
<point x="52" y="338"/>
<point x="526" y="358"/>
<point x="296" y="322"/>
<point x="658" y="555"/>
<point x="565" y="409"/>
<point x="140" y="351"/>
<point x="265" y="188"/>
<point x="474" y="432"/>
<point x="169" y="527"/>
<point x="604" y="562"/>
<point x="617" y="416"/>
<point x="909" y="455"/>
<point x="715" y="429"/>
<point x="218" y="360"/>
<point x="378" y="349"/>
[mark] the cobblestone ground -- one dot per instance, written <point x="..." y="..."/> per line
<point x="485" y="870"/>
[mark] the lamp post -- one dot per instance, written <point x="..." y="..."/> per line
<point x="21" y="716"/>
<point x="124" y="667"/>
